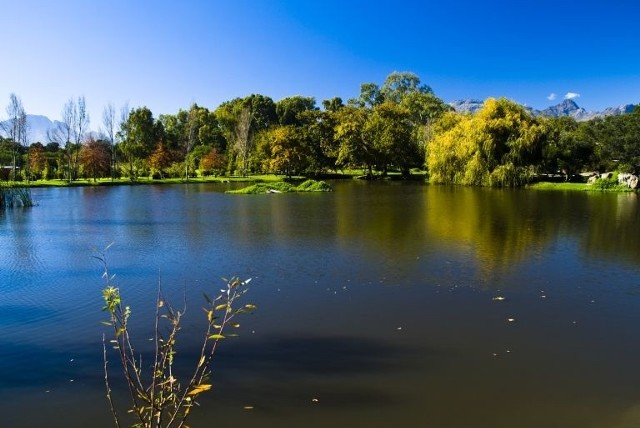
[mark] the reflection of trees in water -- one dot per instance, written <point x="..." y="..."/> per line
<point x="500" y="227"/>
<point x="614" y="222"/>
<point x="506" y="227"/>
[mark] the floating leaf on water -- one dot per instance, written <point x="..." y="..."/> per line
<point x="216" y="336"/>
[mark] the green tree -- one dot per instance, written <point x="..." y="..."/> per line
<point x="288" y="153"/>
<point x="370" y="96"/>
<point x="142" y="133"/>
<point x="566" y="152"/>
<point x="389" y="129"/>
<point x="290" y="109"/>
<point x="355" y="149"/>
<point x="332" y="105"/>
<point x="398" y="85"/>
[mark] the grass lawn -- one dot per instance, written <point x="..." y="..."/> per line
<point x="582" y="187"/>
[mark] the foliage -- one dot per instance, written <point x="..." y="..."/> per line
<point x="355" y="150"/>
<point x="394" y="127"/>
<point x="390" y="132"/>
<point x="609" y="184"/>
<point x="261" y="188"/>
<point x="213" y="163"/>
<point x="289" y="110"/>
<point x="314" y="186"/>
<point x="289" y="153"/>
<point x="499" y="146"/>
<point x="160" y="159"/>
<point x="283" y="187"/>
<point x="567" y="151"/>
<point x="160" y="394"/>
<point x="95" y="158"/>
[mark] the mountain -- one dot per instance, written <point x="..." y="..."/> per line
<point x="467" y="106"/>
<point x="38" y="128"/>
<point x="565" y="108"/>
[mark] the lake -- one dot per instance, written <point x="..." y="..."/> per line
<point x="379" y="304"/>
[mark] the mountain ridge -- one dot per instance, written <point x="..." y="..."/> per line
<point x="37" y="128"/>
<point x="567" y="108"/>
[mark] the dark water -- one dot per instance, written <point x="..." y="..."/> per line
<point x="376" y="303"/>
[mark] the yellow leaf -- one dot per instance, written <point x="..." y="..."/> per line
<point x="200" y="388"/>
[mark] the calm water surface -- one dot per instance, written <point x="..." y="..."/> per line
<point x="376" y="303"/>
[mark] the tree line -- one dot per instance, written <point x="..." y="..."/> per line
<point x="398" y="126"/>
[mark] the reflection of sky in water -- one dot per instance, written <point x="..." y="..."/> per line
<point x="376" y="299"/>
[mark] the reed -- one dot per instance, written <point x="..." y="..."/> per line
<point x="12" y="195"/>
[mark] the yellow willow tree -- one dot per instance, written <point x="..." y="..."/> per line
<point x="499" y="146"/>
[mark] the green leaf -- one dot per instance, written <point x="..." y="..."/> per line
<point x="216" y="336"/>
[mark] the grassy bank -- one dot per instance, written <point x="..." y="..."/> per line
<point x="580" y="187"/>
<point x="146" y="181"/>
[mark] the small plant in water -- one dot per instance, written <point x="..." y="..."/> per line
<point x="159" y="396"/>
<point x="15" y="196"/>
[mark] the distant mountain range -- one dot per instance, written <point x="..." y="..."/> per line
<point x="38" y="126"/>
<point x="565" y="108"/>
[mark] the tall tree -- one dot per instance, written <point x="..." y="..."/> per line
<point x="15" y="129"/>
<point x="355" y="149"/>
<point x="398" y="85"/>
<point x="109" y="123"/>
<point x="62" y="135"/>
<point x="80" y="124"/>
<point x="243" y="144"/>
<point x="140" y="133"/>
<point x="37" y="160"/>
<point x="370" y="95"/>
<point x="389" y="129"/>
<point x="288" y="153"/>
<point x="290" y="109"/>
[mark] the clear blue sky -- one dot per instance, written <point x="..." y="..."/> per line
<point x="169" y="54"/>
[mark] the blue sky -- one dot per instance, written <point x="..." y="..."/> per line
<point x="169" y="54"/>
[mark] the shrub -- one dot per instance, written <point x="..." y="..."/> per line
<point x="160" y="394"/>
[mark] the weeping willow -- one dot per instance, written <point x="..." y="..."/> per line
<point x="499" y="146"/>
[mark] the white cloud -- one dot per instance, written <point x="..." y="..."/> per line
<point x="552" y="96"/>
<point x="571" y="95"/>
